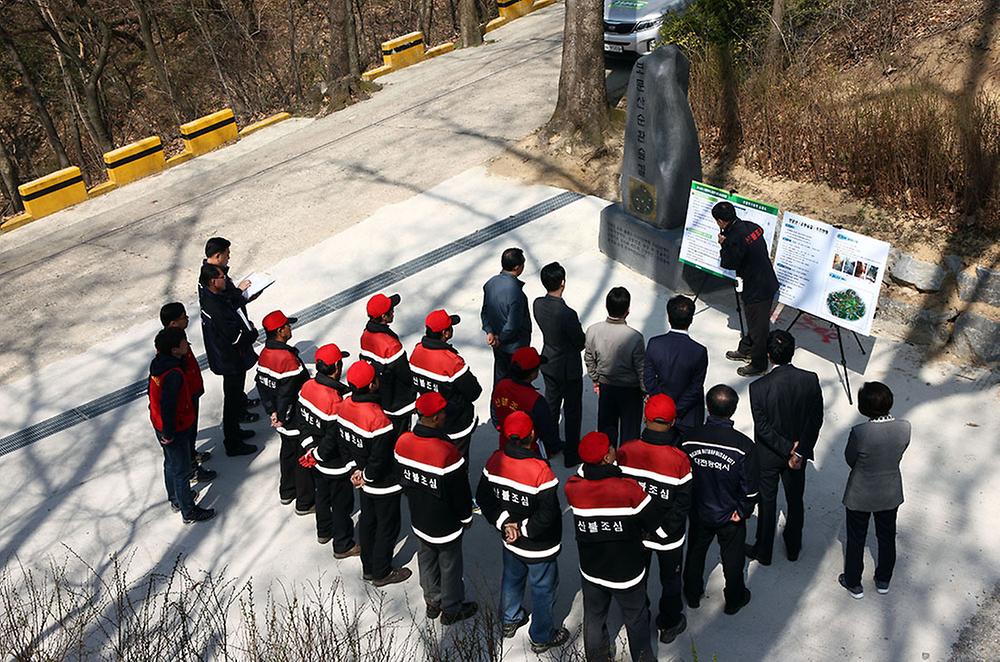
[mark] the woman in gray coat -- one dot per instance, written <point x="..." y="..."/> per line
<point x="874" y="488"/>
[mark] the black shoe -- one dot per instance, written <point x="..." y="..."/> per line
<point x="395" y="576"/>
<point x="323" y="539"/>
<point x="751" y="553"/>
<point x="252" y="402"/>
<point x="241" y="449"/>
<point x="247" y="434"/>
<point x="510" y="629"/>
<point x="750" y="371"/>
<point x="308" y="511"/>
<point x="467" y="610"/>
<point x="560" y="637"/>
<point x="693" y="603"/>
<point x="174" y="507"/>
<point x="881" y="587"/>
<point x="199" y="514"/>
<point x="201" y="457"/>
<point x="432" y="611"/>
<point x="732" y="609"/>
<point x="667" y="635"/>
<point x="285" y="502"/>
<point x="792" y="556"/>
<point x="738" y="356"/>
<point x="202" y="475"/>
<point x="353" y="551"/>
<point x="249" y="417"/>
<point x="857" y="592"/>
<point x="570" y="460"/>
<point x="367" y="576"/>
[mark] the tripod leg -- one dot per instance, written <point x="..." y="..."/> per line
<point x="700" y="287"/>
<point x="843" y="362"/>
<point x="794" y="320"/>
<point x="860" y="346"/>
<point x="739" y="312"/>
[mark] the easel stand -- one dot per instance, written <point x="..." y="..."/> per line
<point x="739" y="307"/>
<point x="843" y="359"/>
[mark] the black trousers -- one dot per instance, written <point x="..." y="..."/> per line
<point x="634" y="605"/>
<point x="194" y="463"/>
<point x="619" y="412"/>
<point x="566" y="395"/>
<point x="731" y="537"/>
<point x="378" y="530"/>
<point x="754" y="341"/>
<point x="857" y="533"/>
<point x="234" y="403"/>
<point x="334" y="506"/>
<point x="296" y="482"/>
<point x="501" y="364"/>
<point x="794" y="482"/>
<point x="670" y="562"/>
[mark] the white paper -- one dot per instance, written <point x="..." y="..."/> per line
<point x="258" y="283"/>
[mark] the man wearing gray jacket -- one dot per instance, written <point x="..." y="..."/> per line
<point x="874" y="488"/>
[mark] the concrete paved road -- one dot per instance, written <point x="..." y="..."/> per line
<point x="71" y="280"/>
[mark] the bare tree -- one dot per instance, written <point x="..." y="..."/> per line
<point x="472" y="33"/>
<point x="774" y="37"/>
<point x="9" y="177"/>
<point x="581" y="109"/>
<point x="343" y="81"/>
<point x="154" y="59"/>
<point x="36" y="99"/>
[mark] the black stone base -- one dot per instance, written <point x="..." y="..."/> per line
<point x="652" y="252"/>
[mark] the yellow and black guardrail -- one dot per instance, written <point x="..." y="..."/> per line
<point x="206" y="133"/>
<point x="135" y="161"/>
<point x="404" y="51"/>
<point x="58" y="190"/>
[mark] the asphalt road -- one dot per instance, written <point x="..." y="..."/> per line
<point x="71" y="280"/>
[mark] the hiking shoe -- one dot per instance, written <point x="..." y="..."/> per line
<point x="857" y="592"/>
<point x="560" y="637"/>
<point x="202" y="475"/>
<point x="247" y="434"/>
<point x="252" y="402"/>
<point x="201" y="457"/>
<point x="308" y="511"/>
<point x="346" y="554"/>
<point x="732" y="609"/>
<point x="881" y="587"/>
<point x="241" y="449"/>
<point x="467" y="610"/>
<point x="323" y="539"/>
<point x="285" y="502"/>
<point x="199" y="514"/>
<point x="395" y="576"/>
<point x="249" y="417"/>
<point x="750" y="371"/>
<point x="667" y="635"/>
<point x="510" y="629"/>
<point x="738" y="356"/>
<point x="174" y="507"/>
<point x="432" y="611"/>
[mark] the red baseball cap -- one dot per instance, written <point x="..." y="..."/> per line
<point x="439" y="320"/>
<point x="330" y="354"/>
<point x="277" y="319"/>
<point x="430" y="403"/>
<point x="527" y="358"/>
<point x="361" y="374"/>
<point x="380" y="304"/>
<point x="518" y="424"/>
<point x="593" y="447"/>
<point x="661" y="408"/>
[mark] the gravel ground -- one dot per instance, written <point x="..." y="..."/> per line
<point x="980" y="638"/>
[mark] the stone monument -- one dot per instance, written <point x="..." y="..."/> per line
<point x="662" y="157"/>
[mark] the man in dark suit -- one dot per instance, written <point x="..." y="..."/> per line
<point x="506" y="321"/>
<point x="787" y="407"/>
<point x="675" y="364"/>
<point x="563" y="339"/>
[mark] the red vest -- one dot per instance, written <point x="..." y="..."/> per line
<point x="510" y="396"/>
<point x="380" y="347"/>
<point x="192" y="374"/>
<point x="318" y="403"/>
<point x="184" y="416"/>
<point x="433" y="368"/>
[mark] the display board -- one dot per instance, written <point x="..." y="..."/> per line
<point x="831" y="273"/>
<point x="700" y="245"/>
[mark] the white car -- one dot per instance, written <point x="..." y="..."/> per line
<point x="632" y="27"/>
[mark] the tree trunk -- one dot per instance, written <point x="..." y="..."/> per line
<point x="292" y="55"/>
<point x="146" y="32"/>
<point x="36" y="99"/>
<point x="10" y="177"/>
<point x="472" y="34"/>
<point x="581" y="109"/>
<point x="774" y="40"/>
<point x="92" y="92"/>
<point x="338" y="60"/>
<point x="426" y="12"/>
<point x="353" y="56"/>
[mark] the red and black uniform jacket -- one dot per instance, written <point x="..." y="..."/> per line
<point x="192" y="374"/>
<point x="436" y="484"/>
<point x="518" y="486"/>
<point x="510" y="395"/>
<point x="280" y="375"/>
<point x="664" y="471"/>
<point x="612" y="515"/>
<point x="171" y="404"/>
<point x="436" y="366"/>
<point x="380" y="346"/>
<point x="315" y="417"/>
<point x="366" y="436"/>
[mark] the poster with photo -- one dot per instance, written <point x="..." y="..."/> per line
<point x="831" y="273"/>
<point x="700" y="245"/>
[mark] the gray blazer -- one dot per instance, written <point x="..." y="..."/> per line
<point x="874" y="451"/>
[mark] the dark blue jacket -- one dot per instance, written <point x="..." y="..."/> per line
<point x="229" y="334"/>
<point x="745" y="251"/>
<point x="505" y="312"/>
<point x="676" y="365"/>
<point x="725" y="468"/>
